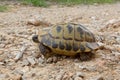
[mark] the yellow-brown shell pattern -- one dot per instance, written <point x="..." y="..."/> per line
<point x="70" y="37"/>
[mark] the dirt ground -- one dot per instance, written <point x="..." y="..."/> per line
<point x="16" y="34"/>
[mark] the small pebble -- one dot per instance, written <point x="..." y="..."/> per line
<point x="80" y="74"/>
<point x="3" y="76"/>
<point x="40" y="60"/>
<point x="78" y="78"/>
<point x="31" y="60"/>
<point x="60" y="75"/>
<point x="2" y="45"/>
<point x="25" y="62"/>
<point x="34" y="22"/>
<point x="2" y="63"/>
<point x="25" y="69"/>
<point x="16" y="77"/>
<point x="1" y="52"/>
<point x="97" y="77"/>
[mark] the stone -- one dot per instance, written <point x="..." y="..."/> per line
<point x="16" y="77"/>
<point x="3" y="57"/>
<point x="2" y="63"/>
<point x="1" y="52"/>
<point x="118" y="39"/>
<point x="97" y="77"/>
<point x="25" y="62"/>
<point x="37" y="22"/>
<point x="60" y="75"/>
<point x="31" y="60"/>
<point x="80" y="74"/>
<point x="25" y="69"/>
<point x="36" y="54"/>
<point x="2" y="45"/>
<point x="3" y="76"/>
<point x="40" y="60"/>
<point x="78" y="78"/>
<point x="34" y="22"/>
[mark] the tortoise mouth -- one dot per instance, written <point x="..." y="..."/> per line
<point x="35" y="39"/>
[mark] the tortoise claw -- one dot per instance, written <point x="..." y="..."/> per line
<point x="52" y="59"/>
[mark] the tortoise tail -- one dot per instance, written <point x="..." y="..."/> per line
<point x="35" y="39"/>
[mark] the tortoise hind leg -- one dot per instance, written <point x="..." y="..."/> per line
<point x="86" y="56"/>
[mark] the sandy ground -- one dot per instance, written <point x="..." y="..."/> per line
<point x="15" y="33"/>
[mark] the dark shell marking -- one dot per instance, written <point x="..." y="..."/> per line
<point x="48" y="42"/>
<point x="81" y="32"/>
<point x="70" y="28"/>
<point x="61" y="45"/>
<point x="58" y="28"/>
<point x="67" y="38"/>
<point x="75" y="47"/>
<point x="82" y="48"/>
<point x="68" y="47"/>
<point x="54" y="44"/>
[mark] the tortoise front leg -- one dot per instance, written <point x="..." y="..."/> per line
<point x="45" y="51"/>
<point x="49" y="56"/>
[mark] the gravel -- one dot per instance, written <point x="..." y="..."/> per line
<point x="102" y="20"/>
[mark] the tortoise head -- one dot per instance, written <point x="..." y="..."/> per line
<point x="35" y="39"/>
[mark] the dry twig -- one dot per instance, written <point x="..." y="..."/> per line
<point x="20" y="54"/>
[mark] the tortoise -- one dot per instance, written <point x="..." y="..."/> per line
<point x="66" y="39"/>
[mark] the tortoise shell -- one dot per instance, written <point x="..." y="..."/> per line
<point x="68" y="39"/>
